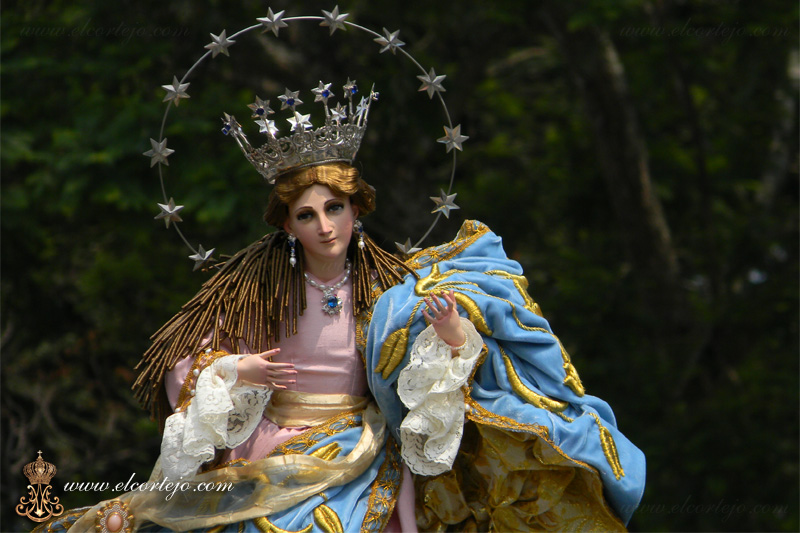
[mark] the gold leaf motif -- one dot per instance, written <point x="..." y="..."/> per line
<point x="327" y="452"/>
<point x="609" y="448"/>
<point x="533" y="398"/>
<point x="265" y="526"/>
<point x="327" y="519"/>
<point x="392" y="352"/>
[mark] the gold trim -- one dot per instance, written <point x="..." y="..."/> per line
<point x="201" y="361"/>
<point x="470" y="231"/>
<point x="477" y="413"/>
<point x="327" y="519"/>
<point x="313" y="435"/>
<point x="383" y="496"/>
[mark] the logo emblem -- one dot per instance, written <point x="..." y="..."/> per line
<point x="38" y="506"/>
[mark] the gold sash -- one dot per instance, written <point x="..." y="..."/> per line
<point x="299" y="409"/>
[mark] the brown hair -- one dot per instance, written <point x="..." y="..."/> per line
<point x="342" y="179"/>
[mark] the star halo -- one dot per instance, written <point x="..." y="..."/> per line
<point x="332" y="20"/>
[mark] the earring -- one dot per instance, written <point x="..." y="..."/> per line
<point x="292" y="257"/>
<point x="358" y="227"/>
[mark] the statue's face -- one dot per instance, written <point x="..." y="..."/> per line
<point x="323" y="223"/>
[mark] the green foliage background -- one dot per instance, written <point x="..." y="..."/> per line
<point x="698" y="356"/>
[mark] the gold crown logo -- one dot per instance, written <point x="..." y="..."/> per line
<point x="39" y="472"/>
<point x="337" y="140"/>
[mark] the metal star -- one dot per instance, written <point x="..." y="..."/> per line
<point x="445" y="203"/>
<point x="201" y="257"/>
<point x="389" y="41"/>
<point x="272" y="22"/>
<point x="432" y="83"/>
<point x="323" y="92"/>
<point x="407" y="248"/>
<point x="260" y="108"/>
<point x="267" y="126"/>
<point x="339" y="112"/>
<point x="220" y="44"/>
<point x="363" y="106"/>
<point x="453" y="138"/>
<point x="289" y="99"/>
<point x="159" y="152"/>
<point x="300" y="121"/>
<point x="350" y="88"/>
<point x="169" y="212"/>
<point x="334" y="20"/>
<point x="176" y="91"/>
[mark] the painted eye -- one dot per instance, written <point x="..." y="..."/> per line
<point x="336" y="207"/>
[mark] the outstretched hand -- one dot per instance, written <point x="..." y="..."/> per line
<point x="258" y="369"/>
<point x="443" y="316"/>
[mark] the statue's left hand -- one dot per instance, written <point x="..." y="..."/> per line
<point x="443" y="316"/>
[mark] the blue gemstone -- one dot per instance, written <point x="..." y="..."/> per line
<point x="333" y="301"/>
<point x="354" y="89"/>
<point x="226" y="129"/>
<point x="290" y="101"/>
<point x="259" y="111"/>
<point x="326" y="94"/>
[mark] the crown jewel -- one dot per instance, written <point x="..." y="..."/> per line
<point x="337" y="140"/>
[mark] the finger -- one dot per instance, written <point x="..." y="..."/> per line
<point x="269" y="353"/>
<point x="278" y="372"/>
<point x="282" y="381"/>
<point x="430" y="306"/>
<point x="279" y="366"/>
<point x="440" y="311"/>
<point x="427" y="316"/>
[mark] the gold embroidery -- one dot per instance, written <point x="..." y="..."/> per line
<point x="327" y="519"/>
<point x="327" y="452"/>
<point x="477" y="413"/>
<point x="471" y="231"/>
<point x="435" y="280"/>
<point x="305" y="440"/>
<point x="201" y="362"/>
<point x="538" y="400"/>
<point x="265" y="526"/>
<point x="571" y="378"/>
<point x="609" y="448"/>
<point x="392" y="352"/>
<point x="521" y="283"/>
<point x="383" y="496"/>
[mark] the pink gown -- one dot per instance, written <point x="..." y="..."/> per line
<point x="327" y="362"/>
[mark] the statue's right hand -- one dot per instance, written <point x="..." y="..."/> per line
<point x="256" y="368"/>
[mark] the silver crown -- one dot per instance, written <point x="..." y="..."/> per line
<point x="338" y="140"/>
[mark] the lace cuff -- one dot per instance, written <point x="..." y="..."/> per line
<point x="430" y="387"/>
<point x="221" y="414"/>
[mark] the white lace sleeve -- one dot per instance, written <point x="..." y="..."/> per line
<point x="430" y="387"/>
<point x="221" y="414"/>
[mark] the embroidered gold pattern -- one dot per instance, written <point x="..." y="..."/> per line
<point x="533" y="398"/>
<point x="609" y="448"/>
<point x="383" y="496"/>
<point x="327" y="519"/>
<point x="201" y="362"/>
<point x="479" y="414"/>
<point x="299" y="444"/>
<point x="265" y="526"/>
<point x="327" y="452"/>
<point x="471" y="231"/>
<point x="392" y="352"/>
